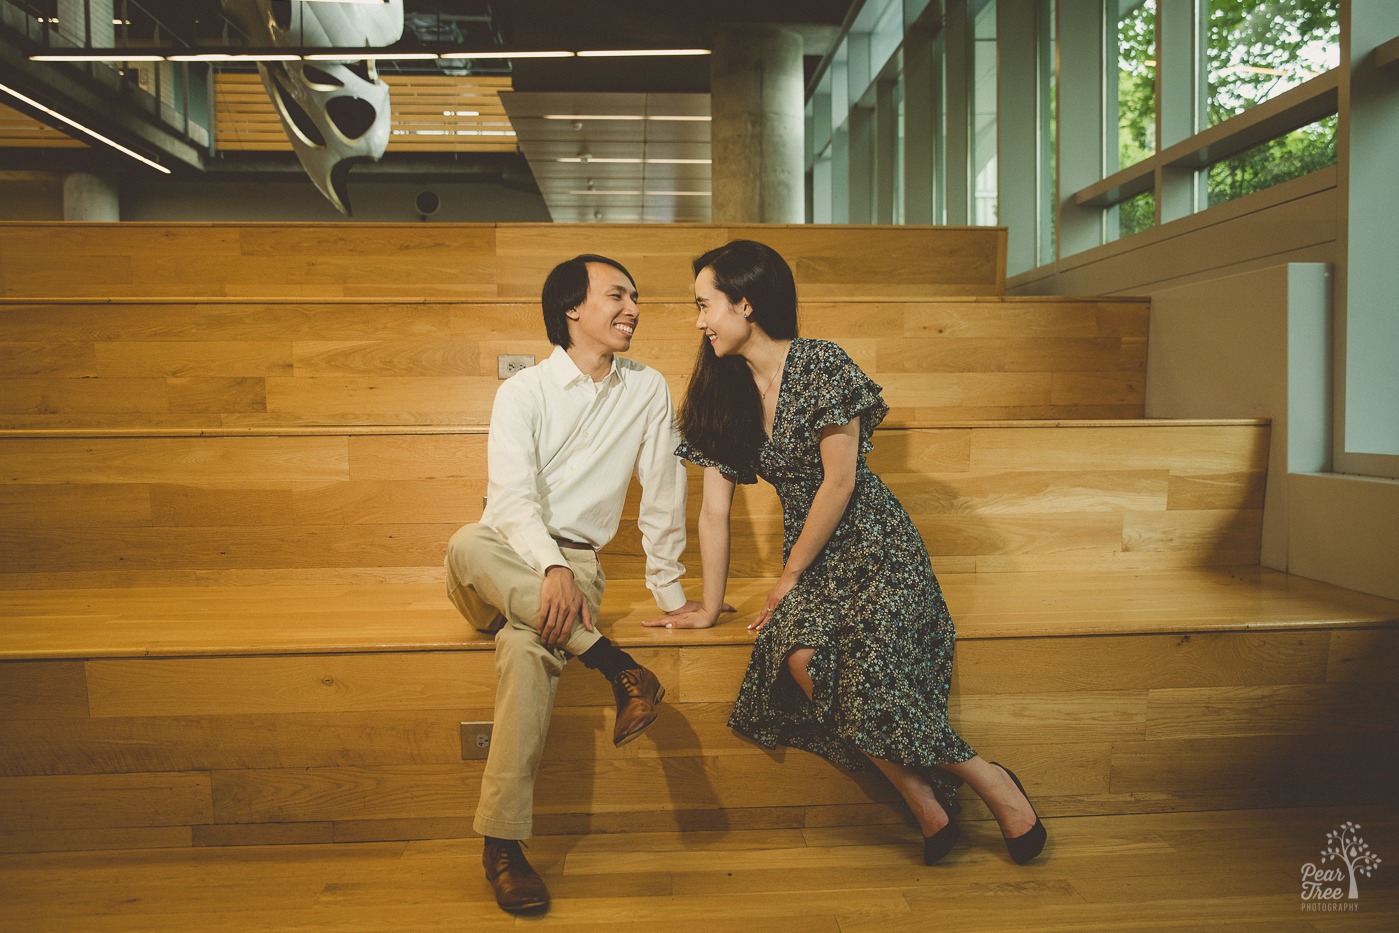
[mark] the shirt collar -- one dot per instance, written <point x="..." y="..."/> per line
<point x="561" y="368"/>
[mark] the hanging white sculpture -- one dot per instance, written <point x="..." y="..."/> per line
<point x="336" y="114"/>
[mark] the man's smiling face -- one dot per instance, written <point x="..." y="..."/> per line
<point x="607" y="318"/>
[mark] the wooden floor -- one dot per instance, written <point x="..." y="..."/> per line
<point x="1238" y="870"/>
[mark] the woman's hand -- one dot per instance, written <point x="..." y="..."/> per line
<point x="691" y="615"/>
<point x="783" y="587"/>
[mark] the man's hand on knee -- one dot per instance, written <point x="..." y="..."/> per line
<point x="561" y="606"/>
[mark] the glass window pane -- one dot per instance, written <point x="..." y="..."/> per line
<point x="1298" y="153"/>
<point x="984" y="180"/>
<point x="1136" y="81"/>
<point x="938" y="169"/>
<point x="1049" y="123"/>
<point x="898" y="217"/>
<point x="1136" y="214"/>
<point x="1256" y="49"/>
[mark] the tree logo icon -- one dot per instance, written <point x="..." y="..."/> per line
<point x="1335" y="887"/>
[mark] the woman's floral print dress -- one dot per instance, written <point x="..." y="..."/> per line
<point x="870" y="605"/>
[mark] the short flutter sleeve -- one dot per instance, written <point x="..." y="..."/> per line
<point x="742" y="477"/>
<point x="842" y="392"/>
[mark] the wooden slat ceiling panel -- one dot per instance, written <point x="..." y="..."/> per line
<point x="428" y="114"/>
<point x="19" y="130"/>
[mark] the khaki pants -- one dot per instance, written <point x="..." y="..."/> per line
<point x="498" y="592"/>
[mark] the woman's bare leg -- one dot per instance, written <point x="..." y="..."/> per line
<point x="1008" y="805"/>
<point x="911" y="785"/>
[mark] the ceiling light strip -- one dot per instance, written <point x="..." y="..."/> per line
<point x="640" y="53"/>
<point x="78" y="126"/>
<point x="594" y="160"/>
<point x="361" y="55"/>
<point x="694" y="118"/>
<point x="333" y="54"/>
<point x="492" y="55"/>
<point x="591" y="192"/>
<point x="231" y="57"/>
<point x="96" y="57"/>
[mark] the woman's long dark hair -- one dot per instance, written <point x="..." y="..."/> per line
<point x="722" y="414"/>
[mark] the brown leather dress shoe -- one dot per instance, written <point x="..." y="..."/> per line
<point x="517" y="885"/>
<point x="637" y="692"/>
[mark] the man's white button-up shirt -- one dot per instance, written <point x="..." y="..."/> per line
<point x="560" y="458"/>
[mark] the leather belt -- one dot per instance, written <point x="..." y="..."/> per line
<point x="574" y="545"/>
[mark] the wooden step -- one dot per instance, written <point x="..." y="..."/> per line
<point x="216" y="364"/>
<point x="442" y="260"/>
<point x="255" y="506"/>
<point x="286" y="618"/>
<point x="1225" y="872"/>
<point x="237" y="715"/>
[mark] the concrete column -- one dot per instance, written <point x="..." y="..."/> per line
<point x="757" y="129"/>
<point x="87" y="197"/>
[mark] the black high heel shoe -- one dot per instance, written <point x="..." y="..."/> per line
<point x="936" y="846"/>
<point x="1026" y="846"/>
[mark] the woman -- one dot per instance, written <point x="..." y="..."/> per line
<point x="853" y="659"/>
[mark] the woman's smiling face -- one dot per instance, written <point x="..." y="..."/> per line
<point x="724" y="323"/>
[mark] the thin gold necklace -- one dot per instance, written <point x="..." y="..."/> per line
<point x="765" y="392"/>
<point x="780" y="366"/>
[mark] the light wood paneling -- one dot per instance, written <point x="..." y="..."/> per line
<point x="1272" y="710"/>
<point x="20" y="130"/>
<point x="1363" y="656"/>
<point x="1038" y="668"/>
<point x="992" y="498"/>
<point x="379" y="743"/>
<point x="246" y="119"/>
<point x="469" y="260"/>
<point x="51" y="461"/>
<point x="76" y="504"/>
<point x="279" y="616"/>
<point x="36" y="690"/>
<point x="288" y="362"/>
<point x="365" y="745"/>
<point x="209" y="686"/>
<point x="156" y="741"/>
<point x="264" y="834"/>
<point x="104" y="801"/>
<point x="90" y="838"/>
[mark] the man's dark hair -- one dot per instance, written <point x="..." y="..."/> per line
<point x="567" y="288"/>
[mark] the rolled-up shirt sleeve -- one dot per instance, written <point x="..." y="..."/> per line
<point x="512" y="467"/>
<point x="662" y="514"/>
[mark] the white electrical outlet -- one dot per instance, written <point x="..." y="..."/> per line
<point x="508" y="364"/>
<point x="475" y="740"/>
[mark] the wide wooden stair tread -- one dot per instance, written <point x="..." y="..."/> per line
<point x="183" y="621"/>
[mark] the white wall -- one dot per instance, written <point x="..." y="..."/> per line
<point x="1345" y="530"/>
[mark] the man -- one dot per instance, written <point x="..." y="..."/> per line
<point x="564" y="438"/>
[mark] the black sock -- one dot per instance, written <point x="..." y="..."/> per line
<point x="608" y="658"/>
